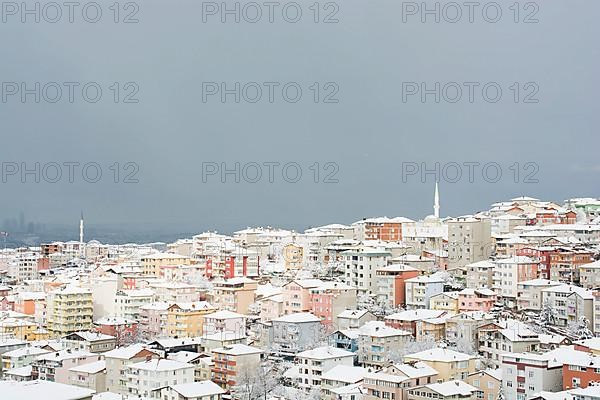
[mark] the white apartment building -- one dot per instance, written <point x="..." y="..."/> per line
<point x="118" y="360"/>
<point x="377" y="342"/>
<point x="529" y="293"/>
<point x="312" y="364"/>
<point x="203" y="390"/>
<point x="469" y="241"/>
<point x="525" y="374"/>
<point x="570" y="303"/>
<point x="340" y="376"/>
<point x="420" y="289"/>
<point x="589" y="275"/>
<point x="146" y="378"/>
<point x="27" y="267"/>
<point x="361" y="265"/>
<point x="128" y="302"/>
<point x="509" y="272"/>
<point x="480" y="274"/>
<point x="21" y="357"/>
<point x="508" y="336"/>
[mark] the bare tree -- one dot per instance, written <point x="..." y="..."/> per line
<point x="412" y="346"/>
<point x="258" y="383"/>
<point x="465" y="345"/>
<point x="547" y="315"/>
<point x="580" y="329"/>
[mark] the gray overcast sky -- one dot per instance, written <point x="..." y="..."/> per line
<point x="368" y="134"/>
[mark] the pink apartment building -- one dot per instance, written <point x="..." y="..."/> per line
<point x="330" y="299"/>
<point x="296" y="295"/>
<point x="476" y="300"/>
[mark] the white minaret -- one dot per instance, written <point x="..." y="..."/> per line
<point x="81" y="234"/>
<point x="436" y="202"/>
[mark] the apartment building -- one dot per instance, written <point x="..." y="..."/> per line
<point x="581" y="370"/>
<point x="488" y="383"/>
<point x="27" y="266"/>
<point x="294" y="333"/>
<point x="203" y="390"/>
<point x="445" y="301"/>
<point x="541" y="253"/>
<point x="408" y="320"/>
<point x="361" y="265"/>
<point x="432" y="329"/>
<point x="89" y="376"/>
<point x="354" y="319"/>
<point x="69" y="310"/>
<point x="221" y="321"/>
<point x="25" y="302"/>
<point x="570" y="304"/>
<point x="449" y="364"/>
<point x="469" y="241"/>
<point x="420" y="289"/>
<point x="476" y="299"/>
<point x="129" y="302"/>
<point x="480" y="274"/>
<point x="378" y="342"/>
<point x="312" y="364"/>
<point x="235" y="294"/>
<point x="19" y="328"/>
<point x="590" y="275"/>
<point x="526" y="374"/>
<point x="296" y="295"/>
<point x="21" y="357"/>
<point x="187" y="319"/>
<point x="391" y="287"/>
<point x="271" y="307"/>
<point x="148" y="377"/>
<point x="498" y="338"/>
<point x="94" y="342"/>
<point x="173" y="292"/>
<point x="338" y="377"/>
<point x="221" y="339"/>
<point x="529" y="294"/>
<point x="346" y="339"/>
<point x="565" y="264"/>
<point x="381" y="228"/>
<point x="152" y="263"/>
<point x="509" y="272"/>
<point x="124" y="330"/>
<point x="392" y="382"/>
<point x="509" y="247"/>
<point x="153" y="320"/>
<point x="234" y="364"/>
<point x="330" y="299"/>
<point x="118" y="360"/>
<point x="55" y="366"/>
<point x="451" y="390"/>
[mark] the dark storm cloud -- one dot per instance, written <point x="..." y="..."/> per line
<point x="363" y="61"/>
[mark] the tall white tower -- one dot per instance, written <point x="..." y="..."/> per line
<point x="81" y="235"/>
<point x="436" y="202"/>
